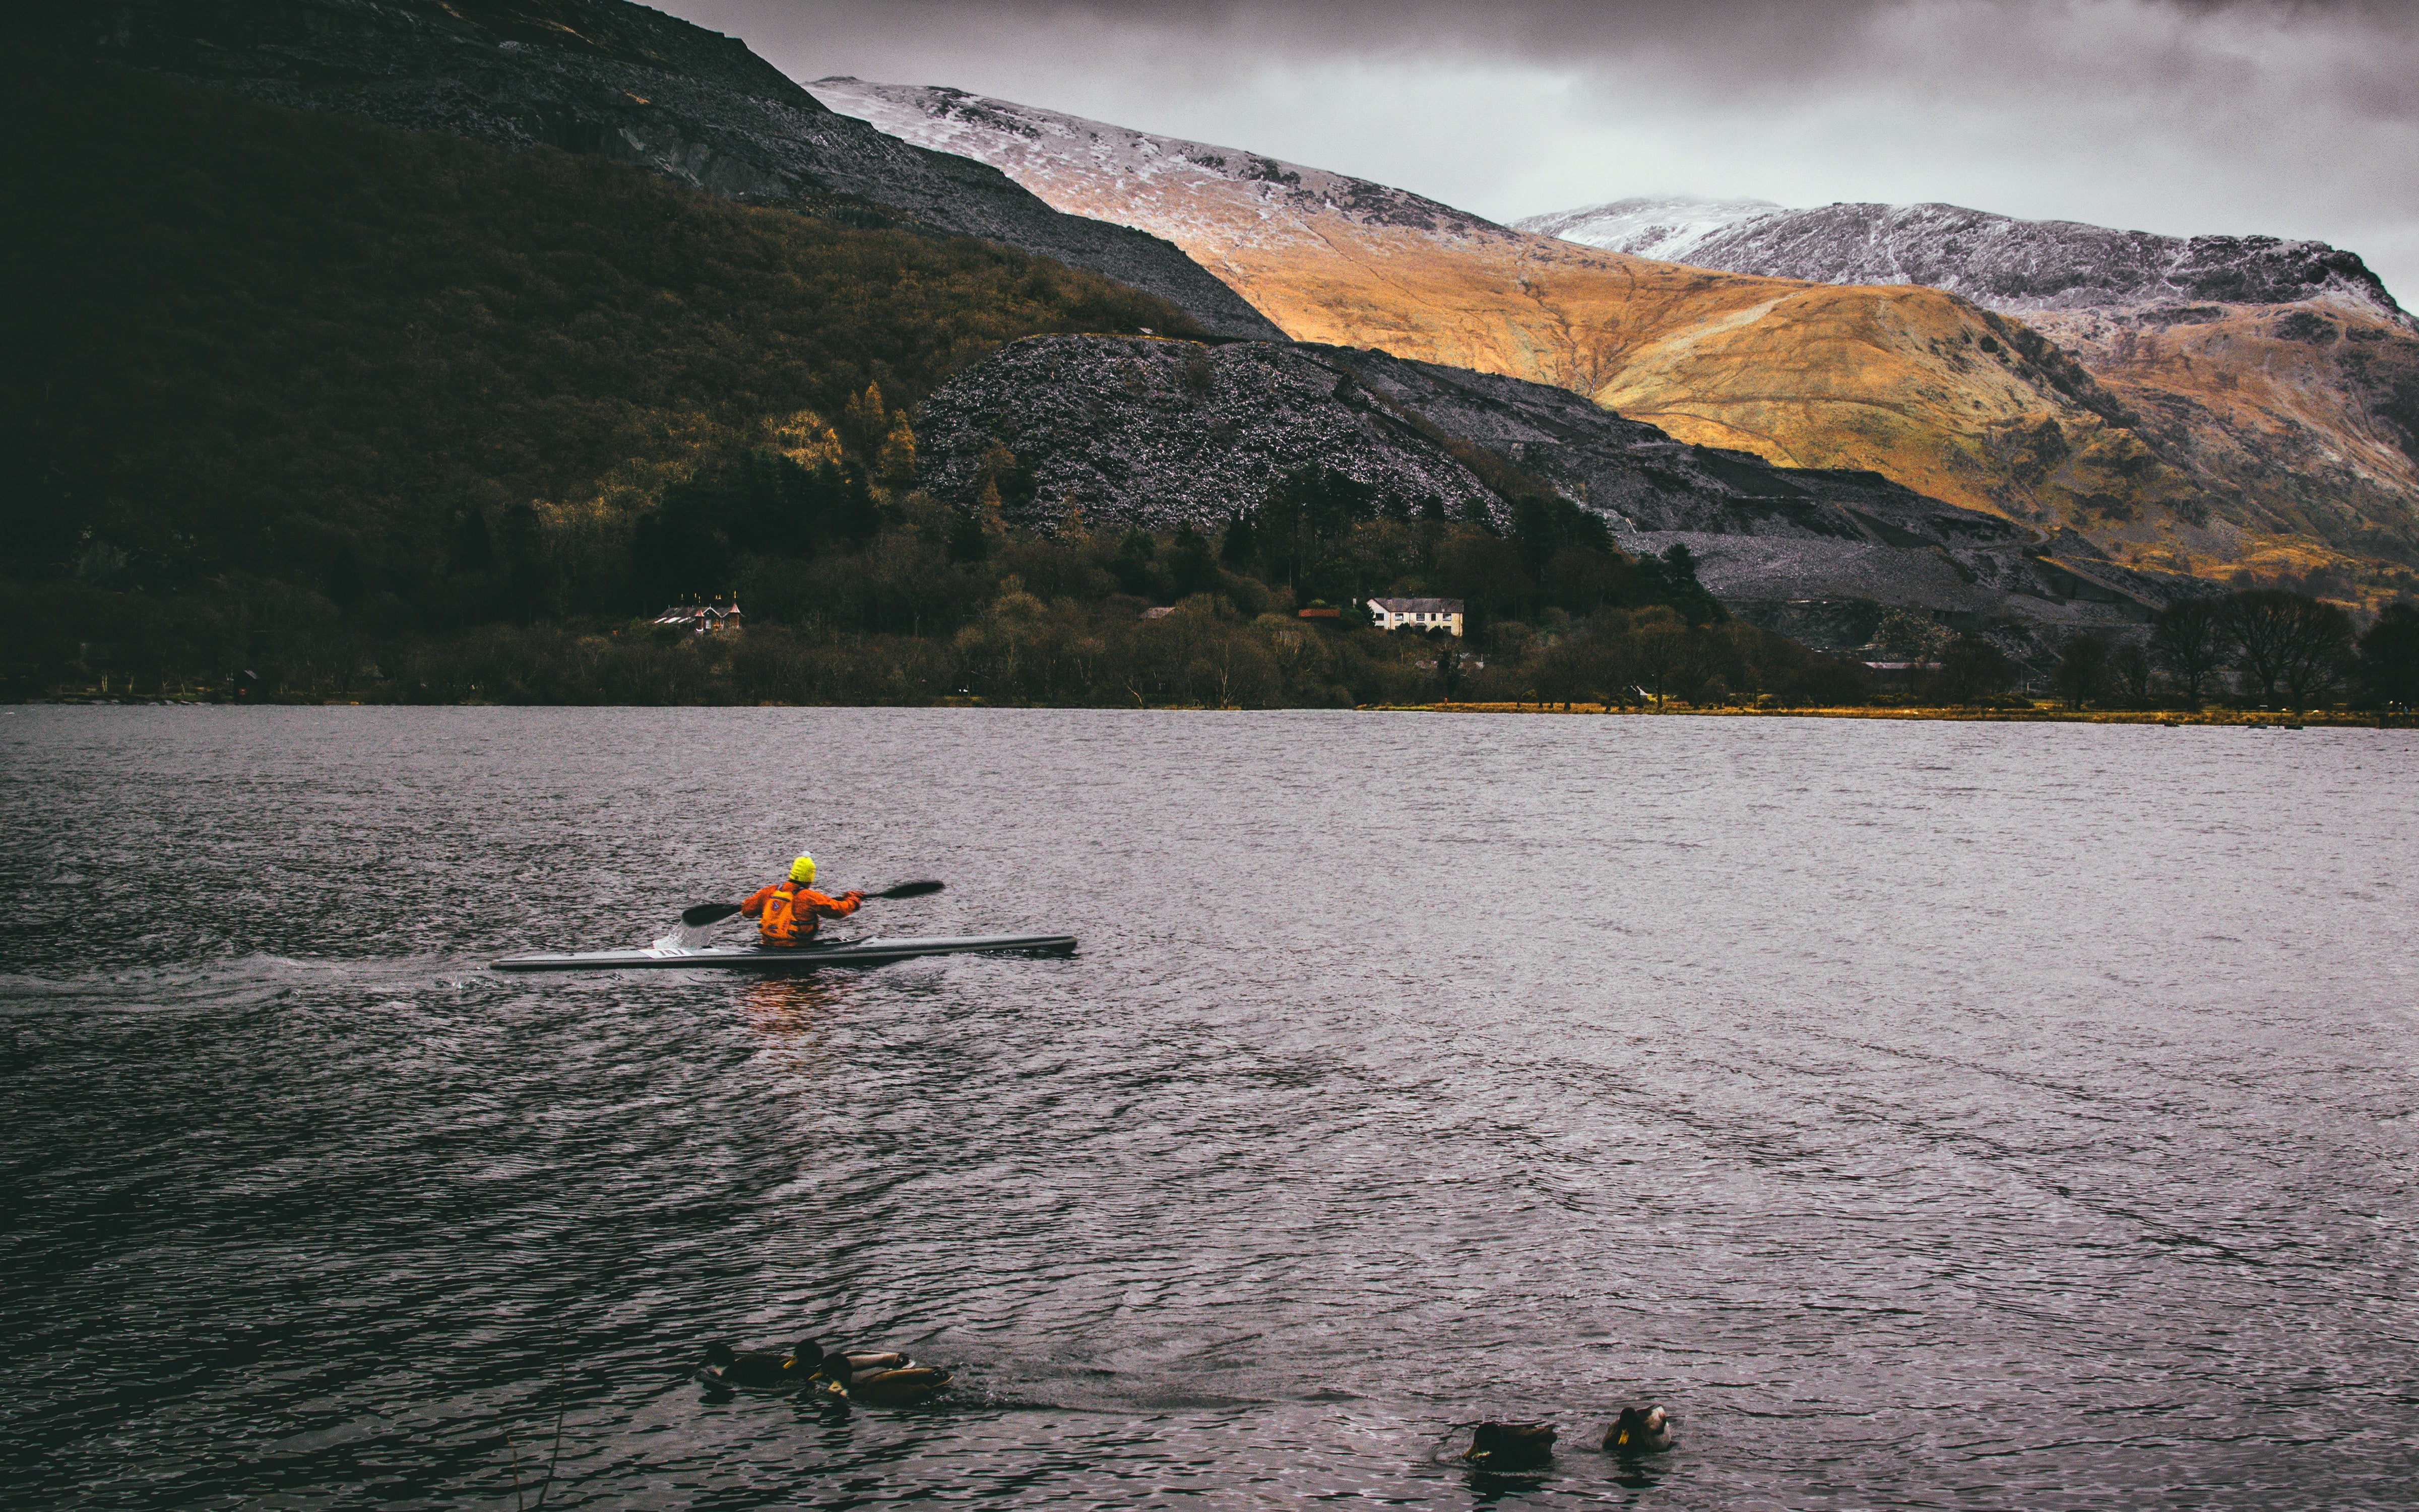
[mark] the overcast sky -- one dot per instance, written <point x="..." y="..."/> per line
<point x="2296" y="119"/>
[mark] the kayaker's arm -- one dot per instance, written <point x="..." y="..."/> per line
<point x="833" y="907"/>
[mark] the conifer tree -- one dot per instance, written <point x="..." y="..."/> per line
<point x="894" y="463"/>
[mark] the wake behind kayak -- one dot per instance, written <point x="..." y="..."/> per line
<point x="797" y="959"/>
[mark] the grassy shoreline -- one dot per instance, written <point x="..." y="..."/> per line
<point x="2039" y="713"/>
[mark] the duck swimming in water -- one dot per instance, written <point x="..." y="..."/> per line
<point x="884" y="1385"/>
<point x="1638" y="1431"/>
<point x="758" y="1370"/>
<point x="858" y="1360"/>
<point x="1511" y="1445"/>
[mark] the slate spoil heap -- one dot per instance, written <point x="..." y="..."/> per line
<point x="1134" y="431"/>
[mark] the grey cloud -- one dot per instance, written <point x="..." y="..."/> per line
<point x="1743" y="37"/>
<point x="2176" y="115"/>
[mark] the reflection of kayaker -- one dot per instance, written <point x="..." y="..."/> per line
<point x="788" y="913"/>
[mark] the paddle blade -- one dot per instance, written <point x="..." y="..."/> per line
<point x="706" y="914"/>
<point x="907" y="889"/>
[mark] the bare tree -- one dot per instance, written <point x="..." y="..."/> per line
<point x="2082" y="670"/>
<point x="2322" y="655"/>
<point x="2190" y="642"/>
<point x="2131" y="667"/>
<point x="2291" y="641"/>
<point x="1973" y="671"/>
<point x="1668" y="658"/>
<point x="2389" y="656"/>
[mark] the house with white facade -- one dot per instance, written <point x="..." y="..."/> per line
<point x="1416" y="614"/>
<point x="704" y="619"/>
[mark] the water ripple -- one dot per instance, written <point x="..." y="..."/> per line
<point x="1939" y="1115"/>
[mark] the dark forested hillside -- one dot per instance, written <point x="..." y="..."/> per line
<point x="609" y="79"/>
<point x="313" y="349"/>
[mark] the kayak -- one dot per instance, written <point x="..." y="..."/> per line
<point x="800" y="958"/>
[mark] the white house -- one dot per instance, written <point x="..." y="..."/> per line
<point x="702" y="618"/>
<point x="1419" y="614"/>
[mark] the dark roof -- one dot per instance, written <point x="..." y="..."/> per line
<point x="1417" y="605"/>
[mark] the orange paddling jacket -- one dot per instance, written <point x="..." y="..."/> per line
<point x="789" y="913"/>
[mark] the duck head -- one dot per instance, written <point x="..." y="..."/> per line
<point x="1638" y="1431"/>
<point x="833" y="1371"/>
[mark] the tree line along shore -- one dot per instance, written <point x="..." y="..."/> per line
<point x="937" y="605"/>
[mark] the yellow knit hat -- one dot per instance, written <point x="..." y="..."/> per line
<point x="803" y="869"/>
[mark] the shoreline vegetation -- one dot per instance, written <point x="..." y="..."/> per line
<point x="2046" y="714"/>
<point x="2030" y="712"/>
<point x="2035" y="713"/>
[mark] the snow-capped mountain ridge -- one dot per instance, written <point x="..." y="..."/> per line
<point x="1998" y="260"/>
<point x="1132" y="177"/>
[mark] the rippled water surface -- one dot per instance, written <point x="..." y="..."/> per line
<point x="1933" y="1115"/>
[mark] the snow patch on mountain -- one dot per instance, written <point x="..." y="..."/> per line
<point x="1667" y="229"/>
<point x="2015" y="266"/>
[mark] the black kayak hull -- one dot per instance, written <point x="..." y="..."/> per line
<point x="804" y="958"/>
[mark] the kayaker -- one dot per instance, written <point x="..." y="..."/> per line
<point x="789" y="913"/>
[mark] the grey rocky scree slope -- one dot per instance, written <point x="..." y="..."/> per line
<point x="1138" y="432"/>
<point x="1996" y="261"/>
<point x="614" y="80"/>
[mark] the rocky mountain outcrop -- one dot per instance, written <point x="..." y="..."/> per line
<point x="1982" y="408"/>
<point x="2277" y="381"/>
<point x="1995" y="260"/>
<point x="1125" y="430"/>
<point x="1164" y="433"/>
<point x="616" y="80"/>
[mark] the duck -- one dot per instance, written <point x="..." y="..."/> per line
<point x="858" y="1360"/>
<point x="1638" y="1431"/>
<point x="902" y="1385"/>
<point x="758" y="1370"/>
<point x="1511" y="1445"/>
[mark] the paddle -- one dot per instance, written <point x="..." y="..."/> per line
<point x="701" y="914"/>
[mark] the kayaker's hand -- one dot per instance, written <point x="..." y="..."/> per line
<point x="853" y="896"/>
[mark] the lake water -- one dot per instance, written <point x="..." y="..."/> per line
<point x="1927" y="1114"/>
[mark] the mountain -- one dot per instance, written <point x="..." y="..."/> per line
<point x="2295" y="469"/>
<point x="1166" y="433"/>
<point x="2281" y="377"/>
<point x="304" y="390"/>
<point x="614" y="80"/>
<point x="307" y="406"/>
<point x="1994" y="260"/>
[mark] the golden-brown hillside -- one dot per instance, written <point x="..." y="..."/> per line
<point x="2273" y="411"/>
<point x="2163" y="465"/>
